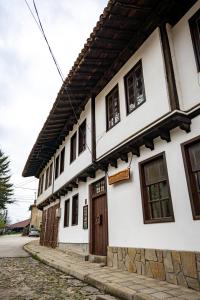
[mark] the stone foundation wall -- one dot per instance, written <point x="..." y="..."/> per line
<point x="176" y="267"/>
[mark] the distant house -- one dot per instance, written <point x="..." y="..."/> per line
<point x="36" y="216"/>
<point x="19" y="226"/>
<point x="118" y="158"/>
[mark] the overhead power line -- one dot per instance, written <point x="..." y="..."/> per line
<point x="67" y="89"/>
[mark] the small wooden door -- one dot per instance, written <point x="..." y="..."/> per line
<point x="98" y="219"/>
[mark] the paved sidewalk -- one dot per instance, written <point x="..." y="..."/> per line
<point x="118" y="283"/>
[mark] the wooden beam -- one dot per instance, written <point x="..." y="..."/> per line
<point x="73" y="184"/>
<point x="82" y="178"/>
<point x="113" y="162"/>
<point x="93" y="129"/>
<point x="169" y="69"/>
<point x="185" y="127"/>
<point x="124" y="156"/>
<point x="148" y="143"/>
<point x="135" y="151"/>
<point x="91" y="174"/>
<point x="165" y="135"/>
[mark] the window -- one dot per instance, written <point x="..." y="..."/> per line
<point x="75" y="210"/>
<point x="194" y="23"/>
<point x="99" y="187"/>
<point x="134" y="88"/>
<point x="66" y="214"/>
<point x="73" y="148"/>
<point x="57" y="167"/>
<point x="47" y="179"/>
<point x="112" y="108"/>
<point x="50" y="173"/>
<point x="157" y="205"/>
<point x="62" y="160"/>
<point x="40" y="187"/>
<point x="82" y="137"/>
<point x="191" y="155"/>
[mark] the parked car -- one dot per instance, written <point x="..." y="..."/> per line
<point x="34" y="233"/>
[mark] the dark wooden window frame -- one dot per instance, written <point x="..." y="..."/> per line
<point x="189" y="179"/>
<point x="41" y="185"/>
<point x="47" y="178"/>
<point x="82" y="136"/>
<point x="135" y="67"/>
<point x="66" y="213"/>
<point x="144" y="196"/>
<point x="75" y="223"/>
<point x="62" y="160"/>
<point x="50" y="173"/>
<point x="57" y="167"/>
<point x="107" y="108"/>
<point x="73" y="147"/>
<point x="195" y="34"/>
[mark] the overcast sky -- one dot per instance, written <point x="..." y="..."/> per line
<point x="29" y="81"/>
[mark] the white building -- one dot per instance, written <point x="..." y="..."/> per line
<point x="128" y="114"/>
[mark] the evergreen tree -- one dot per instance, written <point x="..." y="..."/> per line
<point x="6" y="188"/>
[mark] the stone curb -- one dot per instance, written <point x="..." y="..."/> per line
<point x="111" y="289"/>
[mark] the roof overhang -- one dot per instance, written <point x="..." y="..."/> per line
<point x="122" y="28"/>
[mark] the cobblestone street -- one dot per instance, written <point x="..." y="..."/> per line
<point x="27" y="278"/>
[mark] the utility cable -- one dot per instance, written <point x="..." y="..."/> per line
<point x="39" y="24"/>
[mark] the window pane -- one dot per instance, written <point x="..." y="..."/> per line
<point x="153" y="192"/>
<point x="66" y="214"/>
<point x="165" y="208"/>
<point x="82" y="137"/>
<point x="164" y="193"/>
<point x="156" y="194"/>
<point x="73" y="148"/>
<point x="155" y="171"/>
<point x="57" y="167"/>
<point x="194" y="152"/>
<point x="197" y="179"/>
<point x="134" y="84"/>
<point x="112" y="107"/>
<point x="62" y="160"/>
<point x="155" y="210"/>
<point x="75" y="210"/>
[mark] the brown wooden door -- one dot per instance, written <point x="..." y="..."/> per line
<point x="49" y="231"/>
<point x="98" y="220"/>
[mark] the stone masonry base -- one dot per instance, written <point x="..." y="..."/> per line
<point x="176" y="267"/>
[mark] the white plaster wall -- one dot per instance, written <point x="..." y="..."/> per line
<point x="126" y="228"/>
<point x="84" y="159"/>
<point x="46" y="193"/>
<point x="187" y="77"/>
<point x="156" y="105"/>
<point x="76" y="234"/>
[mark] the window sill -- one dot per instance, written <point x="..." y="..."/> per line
<point x="155" y="221"/>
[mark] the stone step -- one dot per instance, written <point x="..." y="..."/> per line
<point x="98" y="259"/>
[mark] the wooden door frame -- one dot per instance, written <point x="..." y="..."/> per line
<point x="91" y="229"/>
